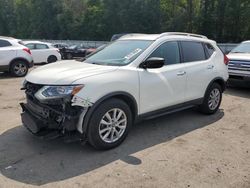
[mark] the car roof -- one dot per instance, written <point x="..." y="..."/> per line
<point x="135" y="36"/>
<point x="247" y="41"/>
<point x="11" y="39"/>
<point x="35" y="42"/>
<point x="8" y="38"/>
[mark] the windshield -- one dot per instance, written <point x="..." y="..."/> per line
<point x="119" y="53"/>
<point x="242" y="48"/>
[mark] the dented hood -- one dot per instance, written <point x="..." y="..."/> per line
<point x="65" y="72"/>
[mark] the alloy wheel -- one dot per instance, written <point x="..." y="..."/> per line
<point x="20" y="69"/>
<point x="214" y="99"/>
<point x="112" y="125"/>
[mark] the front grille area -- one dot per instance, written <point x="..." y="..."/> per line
<point x="53" y="114"/>
<point x="31" y="89"/>
<point x="42" y="110"/>
<point x="238" y="65"/>
<point x="50" y="109"/>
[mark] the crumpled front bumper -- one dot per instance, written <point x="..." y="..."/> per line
<point x="40" y="119"/>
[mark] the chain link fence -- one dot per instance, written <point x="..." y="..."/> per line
<point x="87" y="44"/>
<point x="225" y="47"/>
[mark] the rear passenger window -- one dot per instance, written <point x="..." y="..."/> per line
<point x="169" y="51"/>
<point x="192" y="51"/>
<point x="41" y="46"/>
<point x="4" y="43"/>
<point x="209" y="50"/>
<point x="30" y="46"/>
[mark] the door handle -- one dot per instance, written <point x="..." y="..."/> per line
<point x="181" y="73"/>
<point x="210" y="66"/>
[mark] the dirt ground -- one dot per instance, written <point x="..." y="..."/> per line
<point x="186" y="149"/>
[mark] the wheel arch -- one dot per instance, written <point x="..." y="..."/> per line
<point x="124" y="96"/>
<point x="218" y="80"/>
<point x="50" y="56"/>
<point x="18" y="59"/>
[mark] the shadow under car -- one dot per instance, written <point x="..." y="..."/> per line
<point x="29" y="160"/>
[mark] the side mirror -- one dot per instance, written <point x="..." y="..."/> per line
<point x="153" y="63"/>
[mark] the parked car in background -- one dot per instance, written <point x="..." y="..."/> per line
<point x="136" y="77"/>
<point x="43" y="52"/>
<point x="74" y="51"/>
<point x="14" y="57"/>
<point x="60" y="45"/>
<point x="239" y="64"/>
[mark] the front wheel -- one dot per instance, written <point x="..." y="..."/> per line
<point x="212" y="100"/>
<point x="109" y="124"/>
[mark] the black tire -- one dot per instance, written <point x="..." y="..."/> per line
<point x="52" y="59"/>
<point x="93" y="134"/>
<point x="205" y="107"/>
<point x="69" y="56"/>
<point x="23" y="68"/>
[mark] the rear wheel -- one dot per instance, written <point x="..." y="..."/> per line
<point x="19" y="68"/>
<point x="212" y="100"/>
<point x="109" y="124"/>
<point x="52" y="59"/>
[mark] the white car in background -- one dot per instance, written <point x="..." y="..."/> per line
<point x="43" y="52"/>
<point x="14" y="57"/>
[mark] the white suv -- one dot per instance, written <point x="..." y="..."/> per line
<point x="14" y="57"/>
<point x="136" y="77"/>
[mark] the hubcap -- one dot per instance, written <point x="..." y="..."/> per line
<point x="214" y="99"/>
<point x="113" y="125"/>
<point x="20" y="69"/>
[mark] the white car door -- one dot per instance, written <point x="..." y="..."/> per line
<point x="166" y="86"/>
<point x="39" y="52"/>
<point x="7" y="53"/>
<point x="199" y="67"/>
<point x="34" y="52"/>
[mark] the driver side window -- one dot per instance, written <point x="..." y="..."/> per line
<point x="169" y="51"/>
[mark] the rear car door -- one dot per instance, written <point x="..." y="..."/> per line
<point x="40" y="53"/>
<point x="198" y="60"/>
<point x="166" y="86"/>
<point x="7" y="52"/>
<point x="34" y="53"/>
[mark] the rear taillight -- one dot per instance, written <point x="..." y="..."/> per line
<point x="226" y="60"/>
<point x="27" y="50"/>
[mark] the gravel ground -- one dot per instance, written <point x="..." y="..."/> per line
<point x="185" y="149"/>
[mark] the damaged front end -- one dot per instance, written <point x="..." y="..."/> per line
<point x="50" y="116"/>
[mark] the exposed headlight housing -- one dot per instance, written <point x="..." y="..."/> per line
<point x="56" y="92"/>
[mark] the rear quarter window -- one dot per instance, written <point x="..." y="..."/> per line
<point x="192" y="51"/>
<point x="209" y="49"/>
